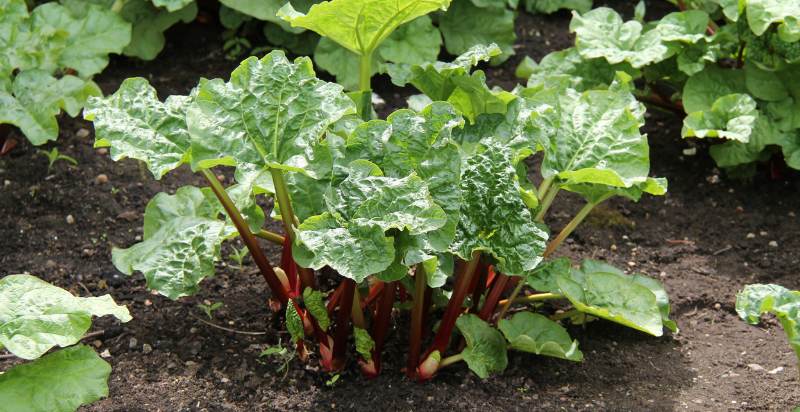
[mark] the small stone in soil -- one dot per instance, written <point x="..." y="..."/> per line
<point x="751" y="235"/>
<point x="50" y="264"/>
<point x="146" y="348"/>
<point x="773" y="243"/>
<point x="100" y="179"/>
<point x="776" y="370"/>
<point x="133" y="343"/>
<point x="6" y="183"/>
<point x="102" y="151"/>
<point x="70" y="220"/>
<point x="105" y="354"/>
<point x="755" y="366"/>
<point x="82" y="133"/>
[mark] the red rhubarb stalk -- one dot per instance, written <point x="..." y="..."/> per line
<point x="380" y="328"/>
<point x="343" y="325"/>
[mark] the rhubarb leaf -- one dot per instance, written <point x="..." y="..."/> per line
<point x="596" y="193"/>
<point x="135" y="124"/>
<point x="594" y="137"/>
<point x="37" y="316"/>
<point x="733" y="153"/>
<point x="272" y="113"/>
<point x="466" y="25"/>
<point x="35" y="98"/>
<point x="730" y="117"/>
<point x="312" y="299"/>
<point x="181" y="243"/>
<point x="584" y="74"/>
<point x="552" y="6"/>
<point x="757" y="299"/>
<point x="364" y="343"/>
<point x="763" y="13"/>
<point x="172" y="5"/>
<point x="535" y="333"/>
<point x="543" y="278"/>
<point x="149" y="24"/>
<point x="59" y="382"/>
<point x="704" y="88"/>
<point x="267" y="10"/>
<point x="485" y="352"/>
<point x="359" y="25"/>
<point x="494" y="218"/>
<point x="603" y="291"/>
<point x="294" y="324"/>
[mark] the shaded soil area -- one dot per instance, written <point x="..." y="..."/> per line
<point x="706" y="239"/>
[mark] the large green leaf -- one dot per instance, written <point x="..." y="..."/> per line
<point x="765" y="133"/>
<point x="704" y="88"/>
<point x="601" y="290"/>
<point x="35" y="98"/>
<point x="602" y="33"/>
<point x="757" y="299"/>
<point x="543" y="277"/>
<point x="597" y="193"/>
<point x="272" y="113"/>
<point x="763" y="13"/>
<point x="36" y="316"/>
<point x="535" y="333"/>
<point x="594" y="137"/>
<point x="466" y="25"/>
<point x="485" y="352"/>
<point x="135" y="124"/>
<point x="59" y="382"/>
<point x="350" y="238"/>
<point x="181" y="243"/>
<point x="149" y="24"/>
<point x="730" y="117"/>
<point x="359" y="25"/>
<point x="494" y="218"/>
<point x="584" y="74"/>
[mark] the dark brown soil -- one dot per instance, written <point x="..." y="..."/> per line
<point x="696" y="240"/>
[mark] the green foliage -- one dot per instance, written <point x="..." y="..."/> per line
<point x="37" y="316"/>
<point x="469" y="23"/>
<point x="54" y="155"/>
<point x="485" y="352"/>
<point x="535" y="333"/>
<point x="756" y="300"/>
<point x="58" y="382"/>
<point x="209" y="308"/>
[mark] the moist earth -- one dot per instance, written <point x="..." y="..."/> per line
<point x="707" y="238"/>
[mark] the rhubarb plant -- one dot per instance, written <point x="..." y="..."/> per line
<point x="429" y="211"/>
<point x="725" y="67"/>
<point x="37" y="317"/>
<point x="756" y="300"/>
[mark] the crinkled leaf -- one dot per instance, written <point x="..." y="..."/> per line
<point x="602" y="33"/>
<point x="704" y="88"/>
<point x="364" y="343"/>
<point x="535" y="333"/>
<point x="757" y="299"/>
<point x="603" y="291"/>
<point x="466" y="25"/>
<point x="313" y="302"/>
<point x="730" y="117"/>
<point x="272" y="113"/>
<point x="36" y="316"/>
<point x="181" y="243"/>
<point x="59" y="382"/>
<point x="763" y="13"/>
<point x="594" y="137"/>
<point x="543" y="278"/>
<point x="294" y="324"/>
<point x="359" y="25"/>
<point x="353" y="251"/>
<point x="485" y="352"/>
<point x="35" y="98"/>
<point x="494" y="219"/>
<point x="135" y="124"/>
<point x="584" y="74"/>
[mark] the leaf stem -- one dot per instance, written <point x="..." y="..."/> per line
<point x="290" y="221"/>
<point x="118" y="5"/>
<point x="564" y="315"/>
<point x="417" y="315"/>
<point x="343" y="324"/>
<point x="247" y="237"/>
<point x="538" y="297"/>
<point x="545" y="186"/>
<point x="451" y="360"/>
<point x="510" y="300"/>
<point x="380" y="325"/>
<point x="491" y="301"/>
<point x="546" y="202"/>
<point x="271" y="236"/>
<point x="569" y="228"/>
<point x="365" y="86"/>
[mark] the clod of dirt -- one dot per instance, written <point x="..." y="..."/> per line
<point x="102" y="178"/>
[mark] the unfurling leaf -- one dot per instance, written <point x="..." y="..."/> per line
<point x="535" y="333"/>
<point x="36" y="316"/>
<point x="58" y="382"/>
<point x="294" y="324"/>
<point x="364" y="343"/>
<point x="485" y="352"/>
<point x="313" y="302"/>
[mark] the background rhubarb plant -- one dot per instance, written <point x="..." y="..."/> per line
<point x="756" y="300"/>
<point x="430" y="211"/>
<point x="36" y="317"/>
<point x="724" y="66"/>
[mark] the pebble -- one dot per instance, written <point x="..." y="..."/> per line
<point x="763" y="233"/>
<point x="776" y="370"/>
<point x="146" y="348"/>
<point x="50" y="264"/>
<point x="6" y="183"/>
<point x="97" y="343"/>
<point x="773" y="243"/>
<point x="691" y="151"/>
<point x="717" y="306"/>
<point x="102" y="151"/>
<point x="751" y="235"/>
<point x="70" y="220"/>
<point x="133" y="343"/>
<point x="82" y="133"/>
<point x="105" y="354"/>
<point x="755" y="366"/>
<point x="102" y="178"/>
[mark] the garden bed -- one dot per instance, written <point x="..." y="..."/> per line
<point x="706" y="239"/>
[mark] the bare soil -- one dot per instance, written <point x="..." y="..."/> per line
<point x="706" y="239"/>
